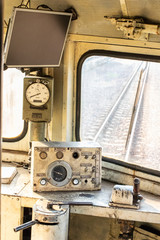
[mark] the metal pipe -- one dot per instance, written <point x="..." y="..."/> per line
<point x="136" y="191"/>
<point x="37" y="131"/>
<point x="124" y="8"/>
<point x="136" y="187"/>
<point x="25" y="225"/>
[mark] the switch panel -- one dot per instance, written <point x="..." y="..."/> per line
<point x="66" y="166"/>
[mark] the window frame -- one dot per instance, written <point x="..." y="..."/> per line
<point x="20" y="136"/>
<point x="121" y="55"/>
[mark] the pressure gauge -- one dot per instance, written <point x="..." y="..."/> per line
<point x="37" y="94"/>
<point x="59" y="173"/>
<point x="38" y="99"/>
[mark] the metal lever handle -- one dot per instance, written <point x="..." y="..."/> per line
<point x="25" y="225"/>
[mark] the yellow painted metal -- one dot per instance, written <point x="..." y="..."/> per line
<point x="124" y="8"/>
<point x="11" y="216"/>
<point x="68" y="98"/>
<point x="114" y="41"/>
<point x="37" y="131"/>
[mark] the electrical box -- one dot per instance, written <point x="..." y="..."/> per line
<point x="66" y="166"/>
<point x="38" y="98"/>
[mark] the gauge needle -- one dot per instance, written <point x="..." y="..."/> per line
<point x="58" y="173"/>
<point x="35" y="95"/>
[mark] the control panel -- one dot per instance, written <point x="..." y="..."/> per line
<point x="66" y="166"/>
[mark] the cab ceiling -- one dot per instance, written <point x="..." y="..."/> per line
<point x="91" y="13"/>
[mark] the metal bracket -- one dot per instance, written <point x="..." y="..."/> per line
<point x="125" y="196"/>
<point x="134" y="28"/>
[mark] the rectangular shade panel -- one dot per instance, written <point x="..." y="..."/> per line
<point x="36" y="38"/>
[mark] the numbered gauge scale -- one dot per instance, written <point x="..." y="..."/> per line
<point x="37" y="98"/>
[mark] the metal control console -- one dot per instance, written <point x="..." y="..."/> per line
<point x="66" y="166"/>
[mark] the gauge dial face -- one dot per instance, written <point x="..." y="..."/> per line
<point x="59" y="173"/>
<point x="37" y="94"/>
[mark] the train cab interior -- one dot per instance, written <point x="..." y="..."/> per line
<point x="80" y="107"/>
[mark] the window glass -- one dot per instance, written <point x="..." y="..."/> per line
<point x="12" y="123"/>
<point x="120" y="108"/>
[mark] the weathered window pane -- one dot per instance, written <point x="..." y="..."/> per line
<point x="120" y="108"/>
<point x="12" y="123"/>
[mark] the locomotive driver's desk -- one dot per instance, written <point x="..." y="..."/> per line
<point x="18" y="194"/>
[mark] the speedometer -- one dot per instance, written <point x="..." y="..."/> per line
<point x="37" y="94"/>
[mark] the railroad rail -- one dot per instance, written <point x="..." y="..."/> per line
<point x="136" y="110"/>
<point x="119" y="99"/>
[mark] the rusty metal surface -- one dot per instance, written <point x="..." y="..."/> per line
<point x="126" y="230"/>
<point x="122" y="194"/>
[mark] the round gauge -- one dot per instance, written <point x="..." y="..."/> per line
<point x="37" y="94"/>
<point x="59" y="173"/>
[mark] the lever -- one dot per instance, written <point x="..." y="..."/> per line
<point x="25" y="225"/>
<point x="136" y="195"/>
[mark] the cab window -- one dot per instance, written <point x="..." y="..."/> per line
<point x="12" y="123"/>
<point x="119" y="108"/>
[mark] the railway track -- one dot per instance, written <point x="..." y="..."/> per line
<point x="101" y="110"/>
<point x="144" y="144"/>
<point x="113" y="134"/>
<point x="131" y="83"/>
<point x="111" y="127"/>
<point x="129" y="130"/>
<point x="136" y="110"/>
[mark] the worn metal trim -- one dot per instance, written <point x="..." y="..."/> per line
<point x="131" y="166"/>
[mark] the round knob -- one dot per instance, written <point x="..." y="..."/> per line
<point x="75" y="181"/>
